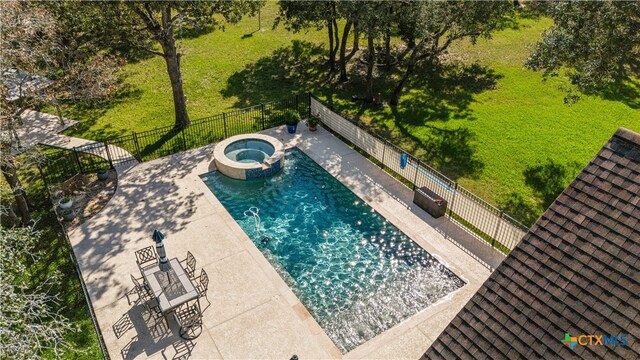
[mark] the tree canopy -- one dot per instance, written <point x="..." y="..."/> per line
<point x="68" y="64"/>
<point x="29" y="324"/>
<point x="595" y="43"/>
<point x="434" y="25"/>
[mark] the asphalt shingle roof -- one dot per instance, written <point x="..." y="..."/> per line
<point x="576" y="271"/>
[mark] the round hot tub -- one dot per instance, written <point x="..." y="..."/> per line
<point x="249" y="156"/>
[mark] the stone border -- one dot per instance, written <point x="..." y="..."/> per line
<point x="238" y="170"/>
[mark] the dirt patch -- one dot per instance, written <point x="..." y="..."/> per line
<point x="89" y="195"/>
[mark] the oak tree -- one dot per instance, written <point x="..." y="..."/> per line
<point x="594" y="43"/>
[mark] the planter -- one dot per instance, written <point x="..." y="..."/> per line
<point x="68" y="214"/>
<point x="103" y="174"/>
<point x="313" y="127"/>
<point x="65" y="204"/>
<point x="292" y="128"/>
<point x="430" y="202"/>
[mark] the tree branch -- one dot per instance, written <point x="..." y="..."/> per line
<point x="154" y="52"/>
<point x="149" y="22"/>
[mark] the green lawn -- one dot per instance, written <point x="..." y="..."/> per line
<point x="212" y="68"/>
<point x="482" y="118"/>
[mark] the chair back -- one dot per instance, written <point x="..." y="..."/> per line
<point x="136" y="283"/>
<point x="146" y="257"/>
<point x="191" y="264"/>
<point x="204" y="281"/>
<point x="192" y="318"/>
<point x="189" y="317"/>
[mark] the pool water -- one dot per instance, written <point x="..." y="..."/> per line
<point x="247" y="156"/>
<point x="249" y="151"/>
<point x="355" y="272"/>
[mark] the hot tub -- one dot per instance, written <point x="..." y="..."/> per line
<point x="249" y="156"/>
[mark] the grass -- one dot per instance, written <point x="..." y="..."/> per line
<point x="212" y="67"/>
<point x="481" y="118"/>
<point x="55" y="250"/>
<point x="498" y="129"/>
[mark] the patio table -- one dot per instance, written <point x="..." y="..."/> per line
<point x="172" y="288"/>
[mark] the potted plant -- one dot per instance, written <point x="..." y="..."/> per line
<point x="66" y="202"/>
<point x="292" y="120"/>
<point x="68" y="214"/>
<point x="103" y="174"/>
<point x="313" y="122"/>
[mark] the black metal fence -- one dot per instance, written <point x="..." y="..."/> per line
<point x="152" y="144"/>
<point x="468" y="210"/>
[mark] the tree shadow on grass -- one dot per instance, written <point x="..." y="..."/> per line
<point x="288" y="70"/>
<point x="88" y="114"/>
<point x="626" y="92"/>
<point x="546" y="180"/>
<point x="445" y="93"/>
<point x="440" y="95"/>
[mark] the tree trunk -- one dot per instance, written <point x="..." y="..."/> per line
<point x="163" y="33"/>
<point x="10" y="175"/>
<point x="372" y="63"/>
<point x="172" y="58"/>
<point x="343" y="50"/>
<point x="59" y="113"/>
<point x="336" y="35"/>
<point x="332" y="59"/>
<point x="387" y="49"/>
<point x="395" y="97"/>
<point x="411" y="43"/>
<point x="356" y="39"/>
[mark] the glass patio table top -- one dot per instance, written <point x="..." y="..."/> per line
<point x="171" y="288"/>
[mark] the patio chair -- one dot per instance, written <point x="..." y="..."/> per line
<point x="202" y="285"/>
<point x="190" y="265"/>
<point x="122" y="326"/>
<point x="189" y="317"/>
<point x="155" y="314"/>
<point x="146" y="258"/>
<point x="144" y="293"/>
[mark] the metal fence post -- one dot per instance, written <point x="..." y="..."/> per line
<point x="75" y="155"/>
<point x="106" y="148"/>
<point x="453" y="198"/>
<point x="297" y="107"/>
<point x="44" y="178"/>
<point x="309" y="98"/>
<point x="495" y="235"/>
<point x="415" y="178"/>
<point x="184" y="139"/>
<point x="224" y="123"/>
<point x="384" y="150"/>
<point x="262" y="115"/>
<point x="135" y="142"/>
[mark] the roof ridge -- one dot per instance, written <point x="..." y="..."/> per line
<point x="629" y="135"/>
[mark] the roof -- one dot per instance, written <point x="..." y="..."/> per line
<point x="575" y="272"/>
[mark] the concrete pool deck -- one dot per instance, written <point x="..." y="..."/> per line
<point x="253" y="313"/>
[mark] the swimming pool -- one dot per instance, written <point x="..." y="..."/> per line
<point x="355" y="272"/>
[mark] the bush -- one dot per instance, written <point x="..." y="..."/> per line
<point x="289" y="117"/>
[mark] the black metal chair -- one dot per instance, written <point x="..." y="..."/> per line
<point x="190" y="265"/>
<point x="141" y="289"/>
<point x="153" y="308"/>
<point x="189" y="317"/>
<point x="122" y="326"/>
<point x="146" y="258"/>
<point x="202" y="285"/>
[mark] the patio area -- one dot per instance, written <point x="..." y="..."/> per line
<point x="253" y="313"/>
